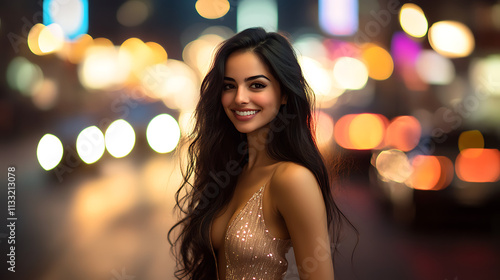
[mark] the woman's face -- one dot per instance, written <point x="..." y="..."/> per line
<point x="251" y="96"/>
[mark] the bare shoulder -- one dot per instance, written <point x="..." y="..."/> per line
<point x="289" y="172"/>
<point x="293" y="174"/>
<point x="293" y="182"/>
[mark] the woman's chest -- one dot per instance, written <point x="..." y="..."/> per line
<point x="223" y="220"/>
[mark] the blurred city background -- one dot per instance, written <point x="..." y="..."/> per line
<point x="96" y="99"/>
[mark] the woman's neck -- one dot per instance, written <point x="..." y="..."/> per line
<point x="257" y="149"/>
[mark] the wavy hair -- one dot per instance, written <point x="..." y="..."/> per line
<point x="217" y="151"/>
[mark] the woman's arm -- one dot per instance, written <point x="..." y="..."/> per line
<point x="297" y="197"/>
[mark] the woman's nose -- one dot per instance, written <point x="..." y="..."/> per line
<point x="241" y="96"/>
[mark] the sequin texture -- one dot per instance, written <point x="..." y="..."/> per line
<point x="250" y="249"/>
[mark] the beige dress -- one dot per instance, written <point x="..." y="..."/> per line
<point x="250" y="249"/>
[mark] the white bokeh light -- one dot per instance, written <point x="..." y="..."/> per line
<point x="90" y="144"/>
<point x="49" y="151"/>
<point x="163" y="133"/>
<point x="119" y="138"/>
<point x="350" y="73"/>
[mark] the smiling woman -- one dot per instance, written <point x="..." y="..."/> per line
<point x="251" y="96"/>
<point x="260" y="184"/>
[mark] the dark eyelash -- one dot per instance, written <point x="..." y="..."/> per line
<point x="227" y="86"/>
<point x="259" y="85"/>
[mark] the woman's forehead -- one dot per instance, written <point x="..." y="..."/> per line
<point x="245" y="64"/>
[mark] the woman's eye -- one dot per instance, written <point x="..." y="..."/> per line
<point x="228" y="86"/>
<point x="257" y="85"/>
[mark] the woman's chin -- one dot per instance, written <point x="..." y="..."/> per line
<point x="244" y="130"/>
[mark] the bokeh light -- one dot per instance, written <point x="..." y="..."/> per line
<point x="405" y="51"/>
<point x="451" y="39"/>
<point x="119" y="138"/>
<point x="341" y="131"/>
<point x="485" y="74"/>
<point x="186" y="121"/>
<point x="51" y="39"/>
<point x="447" y="173"/>
<point x="426" y="173"/>
<point x="132" y="13"/>
<point x="310" y="45"/>
<point x="403" y="133"/>
<point x="49" y="151"/>
<point x="412" y="20"/>
<point x="103" y="68"/>
<point x="253" y="13"/>
<point x="33" y="36"/>
<point x="71" y="15"/>
<point x="74" y="51"/>
<point x="45" y="94"/>
<point x="366" y="131"/>
<point x="102" y="42"/>
<point x="324" y="129"/>
<point x="90" y="144"/>
<point x="140" y="56"/>
<point x="339" y="48"/>
<point x="158" y="52"/>
<point x="197" y="52"/>
<point x="163" y="133"/>
<point x="315" y="75"/>
<point x="393" y="165"/>
<point x="22" y="75"/>
<point x="338" y="17"/>
<point x="378" y="62"/>
<point x="471" y="139"/>
<point x="320" y="81"/>
<point x="434" y="68"/>
<point x="174" y="82"/>
<point x="212" y="9"/>
<point x="478" y="165"/>
<point x="350" y="73"/>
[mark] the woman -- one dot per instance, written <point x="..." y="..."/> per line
<point x="260" y="185"/>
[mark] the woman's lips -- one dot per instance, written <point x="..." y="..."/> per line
<point x="245" y="115"/>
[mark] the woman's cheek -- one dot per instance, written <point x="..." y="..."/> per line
<point x="225" y="99"/>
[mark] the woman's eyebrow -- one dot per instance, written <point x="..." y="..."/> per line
<point x="256" y="77"/>
<point x="247" y="79"/>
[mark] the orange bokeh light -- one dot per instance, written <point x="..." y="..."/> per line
<point x="478" y="165"/>
<point x="403" y="133"/>
<point x="360" y="131"/>
<point x="366" y="131"/>
<point x="426" y="173"/>
<point x="341" y="131"/>
<point x="378" y="61"/>
<point x="75" y="51"/>
<point x="447" y="173"/>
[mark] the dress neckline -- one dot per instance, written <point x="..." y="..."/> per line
<point x="231" y="222"/>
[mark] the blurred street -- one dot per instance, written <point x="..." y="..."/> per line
<point x="97" y="99"/>
<point x="110" y="222"/>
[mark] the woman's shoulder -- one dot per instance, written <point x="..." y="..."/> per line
<point x="291" y="176"/>
<point x="294" y="190"/>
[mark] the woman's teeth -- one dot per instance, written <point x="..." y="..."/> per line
<point x="246" y="113"/>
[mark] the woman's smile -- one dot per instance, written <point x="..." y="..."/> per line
<point x="245" y="115"/>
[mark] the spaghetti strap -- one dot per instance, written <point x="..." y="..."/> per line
<point x="271" y="176"/>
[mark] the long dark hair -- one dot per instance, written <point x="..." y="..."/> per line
<point x="217" y="151"/>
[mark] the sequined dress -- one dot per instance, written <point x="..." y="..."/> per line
<point x="251" y="251"/>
